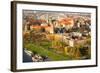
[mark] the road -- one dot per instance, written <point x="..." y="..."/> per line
<point x="26" y="57"/>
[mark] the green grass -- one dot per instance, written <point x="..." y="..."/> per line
<point x="42" y="50"/>
<point x="46" y="44"/>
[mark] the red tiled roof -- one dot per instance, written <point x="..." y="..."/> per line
<point x="37" y="26"/>
<point x="66" y="21"/>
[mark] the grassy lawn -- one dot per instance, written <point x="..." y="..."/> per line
<point x="53" y="49"/>
<point x="42" y="50"/>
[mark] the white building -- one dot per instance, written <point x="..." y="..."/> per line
<point x="71" y="43"/>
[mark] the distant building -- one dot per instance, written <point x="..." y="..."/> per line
<point x="71" y="43"/>
<point x="76" y="34"/>
<point x="67" y="22"/>
<point x="27" y="26"/>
